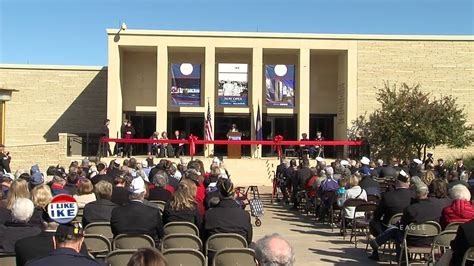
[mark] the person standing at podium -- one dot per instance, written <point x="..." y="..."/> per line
<point x="232" y="130"/>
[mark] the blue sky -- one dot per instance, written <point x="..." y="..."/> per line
<point x="72" y="32"/>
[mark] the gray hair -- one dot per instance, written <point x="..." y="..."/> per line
<point x="137" y="196"/>
<point x="460" y="192"/>
<point x="274" y="250"/>
<point x="160" y="179"/>
<point x="22" y="210"/>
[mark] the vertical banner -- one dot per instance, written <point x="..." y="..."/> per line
<point x="185" y="84"/>
<point x="280" y="85"/>
<point x="233" y="84"/>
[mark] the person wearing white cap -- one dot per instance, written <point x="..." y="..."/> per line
<point x="415" y="167"/>
<point x="364" y="169"/>
<point x="136" y="217"/>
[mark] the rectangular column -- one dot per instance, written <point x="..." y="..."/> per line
<point x="303" y="92"/>
<point x="257" y="94"/>
<point x="162" y="88"/>
<point x="209" y="91"/>
<point x="114" y="91"/>
<point x="351" y="88"/>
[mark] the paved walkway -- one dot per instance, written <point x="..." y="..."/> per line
<point x="314" y="244"/>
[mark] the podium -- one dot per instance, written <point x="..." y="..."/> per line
<point x="234" y="151"/>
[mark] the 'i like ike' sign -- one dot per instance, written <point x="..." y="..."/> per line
<point x="63" y="208"/>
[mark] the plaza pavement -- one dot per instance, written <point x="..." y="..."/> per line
<point x="314" y="243"/>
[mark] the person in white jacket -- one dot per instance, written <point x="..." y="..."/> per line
<point x="355" y="192"/>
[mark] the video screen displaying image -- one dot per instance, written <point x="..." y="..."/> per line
<point x="280" y="85"/>
<point x="185" y="84"/>
<point x="232" y="87"/>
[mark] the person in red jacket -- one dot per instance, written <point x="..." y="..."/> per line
<point x="461" y="210"/>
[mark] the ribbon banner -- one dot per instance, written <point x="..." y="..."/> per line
<point x="276" y="143"/>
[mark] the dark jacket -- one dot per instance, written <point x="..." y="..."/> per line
<point x="96" y="179"/>
<point x="303" y="175"/>
<point x="120" y="196"/>
<point x="370" y="185"/>
<point x="5" y="163"/>
<point x="5" y="215"/>
<point x="387" y="171"/>
<point x="228" y="217"/>
<point x="64" y="256"/>
<point x="12" y="232"/>
<point x="71" y="188"/>
<point x="137" y="218"/>
<point x="37" y="246"/>
<point x="159" y="193"/>
<point x="419" y="212"/>
<point x="192" y="216"/>
<point x="458" y="182"/>
<point x="462" y="242"/>
<point x="98" y="211"/>
<point x="393" y="202"/>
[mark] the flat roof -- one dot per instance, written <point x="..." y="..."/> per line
<point x="229" y="34"/>
<point x="52" y="67"/>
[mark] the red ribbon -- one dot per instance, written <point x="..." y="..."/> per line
<point x="277" y="144"/>
<point x="192" y="145"/>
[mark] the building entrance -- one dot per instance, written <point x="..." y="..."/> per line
<point x="274" y="125"/>
<point x="325" y="124"/>
<point x="144" y="125"/>
<point x="222" y="126"/>
<point x="187" y="124"/>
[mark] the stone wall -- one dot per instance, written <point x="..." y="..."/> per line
<point x="440" y="67"/>
<point x="52" y="100"/>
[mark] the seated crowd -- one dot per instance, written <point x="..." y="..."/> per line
<point x="122" y="195"/>
<point x="419" y="192"/>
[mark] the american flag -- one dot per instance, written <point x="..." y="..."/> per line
<point x="208" y="124"/>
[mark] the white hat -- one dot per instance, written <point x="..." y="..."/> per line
<point x="320" y="159"/>
<point x="144" y="163"/>
<point x="344" y="162"/>
<point x="417" y="161"/>
<point x="430" y="152"/>
<point x="137" y="186"/>
<point x="365" y="160"/>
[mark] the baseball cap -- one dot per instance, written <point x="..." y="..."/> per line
<point x="69" y="230"/>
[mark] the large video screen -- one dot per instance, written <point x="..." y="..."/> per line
<point x="185" y="84"/>
<point x="233" y="84"/>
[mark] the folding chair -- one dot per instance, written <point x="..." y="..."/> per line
<point x="423" y="230"/>
<point x="373" y="198"/>
<point x="181" y="228"/>
<point x="362" y="223"/>
<point x="99" y="228"/>
<point x="7" y="258"/>
<point x="159" y="203"/>
<point x="80" y="213"/>
<point x="390" y="245"/>
<point x="217" y="242"/>
<point x="119" y="257"/>
<point x="125" y="241"/>
<point x="348" y="203"/>
<point x="181" y="241"/>
<point x="97" y="245"/>
<point x="234" y="256"/>
<point x="442" y="242"/>
<point x="468" y="256"/>
<point x="452" y="226"/>
<point x="184" y="257"/>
